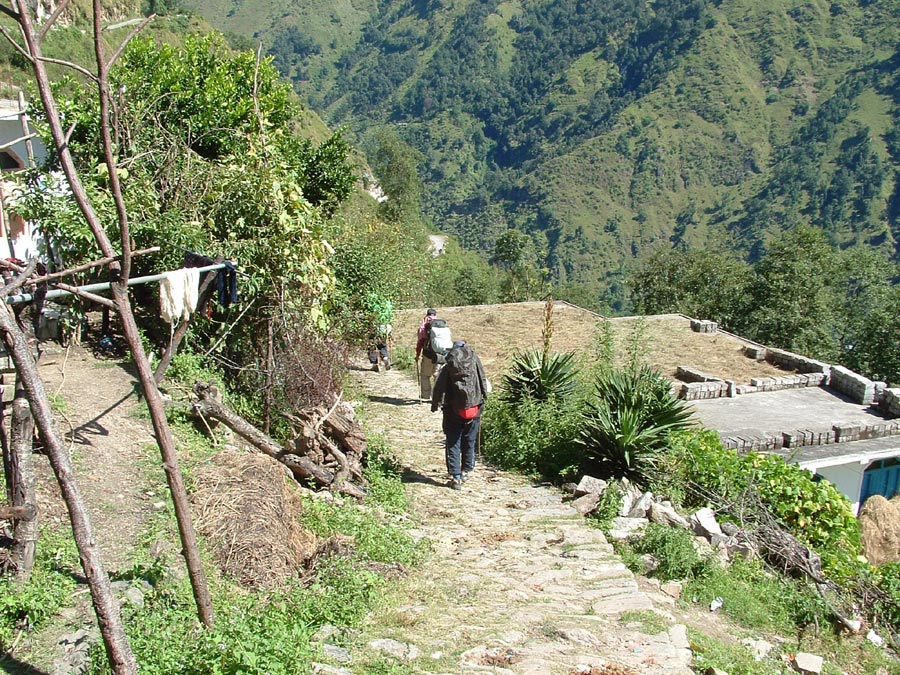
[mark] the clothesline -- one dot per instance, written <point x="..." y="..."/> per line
<point x="89" y="288"/>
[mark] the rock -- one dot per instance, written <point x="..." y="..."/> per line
<point x="703" y="522"/>
<point x="729" y="529"/>
<point x="588" y="485"/>
<point x="666" y="516"/>
<point x="648" y="563"/>
<point x="323" y="669"/>
<point x="336" y="653"/>
<point x="759" y="648"/>
<point x="641" y="506"/>
<point x="586" y="503"/>
<point x="325" y="633"/>
<point x="875" y="638"/>
<point x="397" y="649"/>
<point x="672" y="588"/>
<point x="579" y="635"/>
<point x="569" y="488"/>
<point x="625" y="528"/>
<point x="808" y="664"/>
<point x="135" y="596"/>
<point x="879" y="524"/>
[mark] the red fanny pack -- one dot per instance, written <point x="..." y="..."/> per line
<point x="469" y="413"/>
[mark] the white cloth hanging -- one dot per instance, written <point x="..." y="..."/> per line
<point x="191" y="291"/>
<point x="179" y="291"/>
<point x="171" y="296"/>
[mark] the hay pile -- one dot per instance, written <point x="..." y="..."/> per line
<point x="249" y="510"/>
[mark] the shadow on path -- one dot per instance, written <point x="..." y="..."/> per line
<point x="412" y="476"/>
<point x="392" y="400"/>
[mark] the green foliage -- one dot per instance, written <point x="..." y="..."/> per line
<point x="813" y="511"/>
<point x="628" y="423"/>
<point x="759" y="599"/>
<point x="672" y="547"/>
<point x="887" y="609"/>
<point x="540" y="376"/>
<point x="383" y="473"/>
<point x="536" y="437"/>
<point x="373" y="538"/>
<point x="50" y="587"/>
<point x="188" y="367"/>
<point x="608" y="507"/>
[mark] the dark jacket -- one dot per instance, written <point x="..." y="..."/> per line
<point x="461" y="383"/>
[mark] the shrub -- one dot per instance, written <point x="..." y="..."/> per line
<point x="531" y="436"/>
<point x="813" y="511"/>
<point x="540" y="376"/>
<point x="672" y="547"/>
<point x="627" y="425"/>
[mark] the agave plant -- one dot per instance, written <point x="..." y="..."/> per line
<point x="540" y="376"/>
<point x="627" y="425"/>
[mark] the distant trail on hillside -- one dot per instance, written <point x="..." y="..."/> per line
<point x="518" y="582"/>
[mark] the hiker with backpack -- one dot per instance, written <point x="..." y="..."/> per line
<point x="461" y="389"/>
<point x="432" y="344"/>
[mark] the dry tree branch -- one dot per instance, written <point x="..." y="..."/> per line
<point x="68" y="64"/>
<point x="52" y="18"/>
<point x="23" y="274"/>
<point x="9" y="38"/>
<point x="137" y="29"/>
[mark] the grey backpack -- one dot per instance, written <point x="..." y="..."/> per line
<point x="463" y="388"/>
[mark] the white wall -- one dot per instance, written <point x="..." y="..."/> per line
<point x="847" y="478"/>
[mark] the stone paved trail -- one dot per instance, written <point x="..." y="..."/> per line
<point x="518" y="582"/>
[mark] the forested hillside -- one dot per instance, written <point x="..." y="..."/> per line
<point x="604" y="130"/>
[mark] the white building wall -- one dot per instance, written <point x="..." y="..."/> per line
<point x="847" y="478"/>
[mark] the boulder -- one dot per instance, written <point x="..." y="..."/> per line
<point x="807" y="664"/>
<point x="588" y="485"/>
<point x="641" y="506"/>
<point x="703" y="522"/>
<point x="586" y="503"/>
<point x="666" y="516"/>
<point x="625" y="528"/>
<point x="879" y="523"/>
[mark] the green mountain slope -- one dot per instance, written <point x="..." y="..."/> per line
<point x="606" y="129"/>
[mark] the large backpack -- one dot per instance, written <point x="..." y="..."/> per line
<point x="463" y="388"/>
<point x="439" y="341"/>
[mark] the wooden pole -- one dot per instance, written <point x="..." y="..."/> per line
<point x="25" y="529"/>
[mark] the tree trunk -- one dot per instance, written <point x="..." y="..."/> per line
<point x="25" y="530"/>
<point x="109" y="621"/>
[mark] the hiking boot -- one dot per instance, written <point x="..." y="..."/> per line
<point x="456" y="483"/>
<point x="465" y="476"/>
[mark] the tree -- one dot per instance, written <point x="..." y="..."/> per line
<point x="796" y="303"/>
<point x="395" y="165"/>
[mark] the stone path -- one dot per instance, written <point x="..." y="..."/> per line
<point x="517" y="583"/>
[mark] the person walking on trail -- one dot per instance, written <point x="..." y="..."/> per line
<point x="460" y="389"/>
<point x="381" y="312"/>
<point x="425" y="359"/>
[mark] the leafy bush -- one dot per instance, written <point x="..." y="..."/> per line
<point x="813" y="511"/>
<point x="672" y="547"/>
<point x="887" y="610"/>
<point x="531" y="436"/>
<point x="540" y="376"/>
<point x="627" y="425"/>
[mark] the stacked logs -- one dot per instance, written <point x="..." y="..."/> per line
<point x="326" y="448"/>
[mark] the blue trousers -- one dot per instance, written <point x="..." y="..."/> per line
<point x="462" y="441"/>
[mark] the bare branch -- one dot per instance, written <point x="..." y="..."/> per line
<point x="10" y="12"/>
<point x="86" y="266"/>
<point x="53" y="17"/>
<point x="19" y="48"/>
<point x="69" y="64"/>
<point x="137" y="29"/>
<point x="20" y="139"/>
<point x="19" y="281"/>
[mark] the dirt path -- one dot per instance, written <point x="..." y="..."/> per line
<point x="110" y="442"/>
<point x="518" y="582"/>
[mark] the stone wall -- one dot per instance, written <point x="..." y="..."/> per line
<point x="791" y="361"/>
<point x="838" y="433"/>
<point x="889" y="402"/>
<point x="860" y="389"/>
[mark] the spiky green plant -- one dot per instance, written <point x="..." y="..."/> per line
<point x="627" y="424"/>
<point x="540" y="376"/>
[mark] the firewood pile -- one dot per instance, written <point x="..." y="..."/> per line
<point x="326" y="449"/>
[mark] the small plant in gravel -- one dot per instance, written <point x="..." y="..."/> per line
<point x="649" y="623"/>
<point x="383" y="473"/>
<point x="671" y="547"/>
